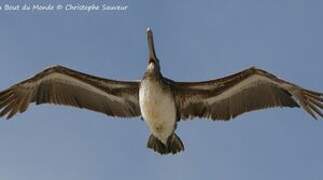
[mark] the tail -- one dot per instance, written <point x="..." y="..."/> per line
<point x="174" y="145"/>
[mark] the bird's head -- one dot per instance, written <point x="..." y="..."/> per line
<point x="153" y="62"/>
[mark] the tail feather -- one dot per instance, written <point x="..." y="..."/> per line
<point x="174" y="145"/>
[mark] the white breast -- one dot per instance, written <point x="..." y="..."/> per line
<point x="158" y="109"/>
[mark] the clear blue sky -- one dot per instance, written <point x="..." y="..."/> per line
<point x="195" y="40"/>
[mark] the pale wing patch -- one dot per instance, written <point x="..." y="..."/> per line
<point x="62" y="78"/>
<point x="250" y="82"/>
<point x="63" y="86"/>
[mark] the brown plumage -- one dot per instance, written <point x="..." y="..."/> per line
<point x="163" y="102"/>
<point x="62" y="86"/>
<point x="251" y="89"/>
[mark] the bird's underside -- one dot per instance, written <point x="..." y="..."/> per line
<point x="221" y="99"/>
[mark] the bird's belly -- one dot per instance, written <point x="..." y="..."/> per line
<point x="158" y="109"/>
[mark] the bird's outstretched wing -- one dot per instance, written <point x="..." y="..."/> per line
<point x="248" y="90"/>
<point x="63" y="86"/>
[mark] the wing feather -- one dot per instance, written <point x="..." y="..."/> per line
<point x="63" y="86"/>
<point x="248" y="90"/>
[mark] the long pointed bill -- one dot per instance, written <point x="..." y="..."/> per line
<point x="151" y="48"/>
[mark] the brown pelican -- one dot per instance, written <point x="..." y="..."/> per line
<point x="161" y="102"/>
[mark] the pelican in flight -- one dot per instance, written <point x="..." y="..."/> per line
<point x="161" y="102"/>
